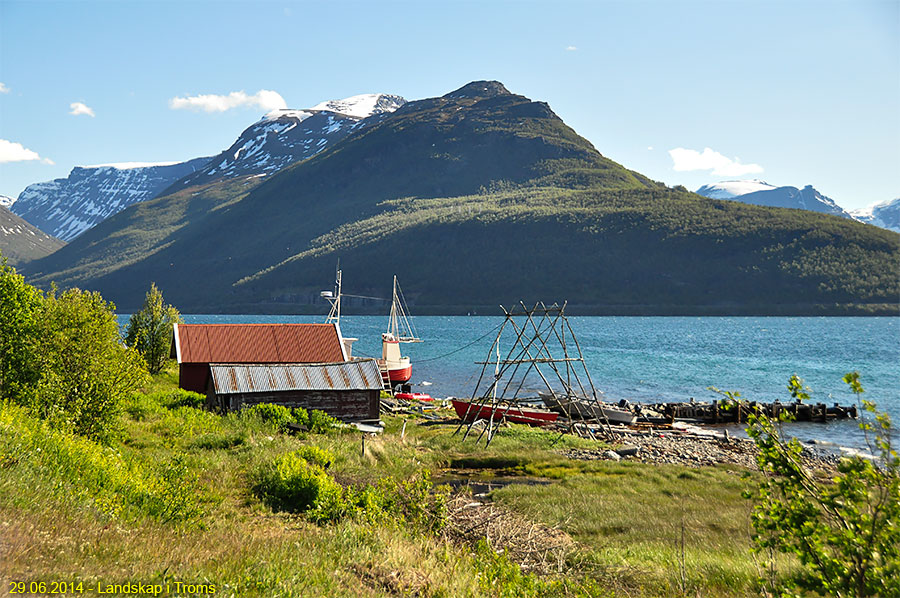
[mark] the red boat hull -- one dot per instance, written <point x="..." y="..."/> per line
<point x="414" y="396"/>
<point x="521" y="415"/>
<point x="400" y="376"/>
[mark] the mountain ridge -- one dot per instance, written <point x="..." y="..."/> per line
<point x="67" y="207"/>
<point x="479" y="199"/>
<point x="21" y="242"/>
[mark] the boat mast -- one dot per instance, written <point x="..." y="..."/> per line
<point x="334" y="298"/>
<point x="399" y="325"/>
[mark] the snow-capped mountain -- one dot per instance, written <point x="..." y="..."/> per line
<point x="21" y="242"/>
<point x="6" y="201"/>
<point x="67" y="207"/>
<point x="732" y="189"/>
<point x="763" y="194"/>
<point x="363" y="106"/>
<point x="885" y="214"/>
<point x="285" y="136"/>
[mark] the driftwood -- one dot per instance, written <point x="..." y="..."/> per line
<point x="533" y="546"/>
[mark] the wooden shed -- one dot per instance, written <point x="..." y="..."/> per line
<point x="196" y="346"/>
<point x="348" y="390"/>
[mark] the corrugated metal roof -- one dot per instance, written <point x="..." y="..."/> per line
<point x="257" y="343"/>
<point x="247" y="378"/>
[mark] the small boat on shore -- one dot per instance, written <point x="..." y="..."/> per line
<point x="581" y="408"/>
<point x="469" y="411"/>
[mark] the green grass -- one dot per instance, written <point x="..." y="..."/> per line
<point x="71" y="508"/>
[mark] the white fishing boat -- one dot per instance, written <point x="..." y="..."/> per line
<point x="395" y="367"/>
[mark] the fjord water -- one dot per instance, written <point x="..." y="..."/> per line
<point x="655" y="359"/>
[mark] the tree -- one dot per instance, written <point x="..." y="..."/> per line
<point x="86" y="372"/>
<point x="19" y="305"/>
<point x="150" y="330"/>
<point x="845" y="531"/>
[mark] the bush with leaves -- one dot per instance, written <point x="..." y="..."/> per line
<point x="845" y="531"/>
<point x="298" y="482"/>
<point x="86" y="373"/>
<point x="150" y="330"/>
<point x="291" y="483"/>
<point x="20" y="305"/>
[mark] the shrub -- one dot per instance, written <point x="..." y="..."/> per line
<point x="19" y="306"/>
<point x="316" y="456"/>
<point x="277" y="415"/>
<point x="183" y="398"/>
<point x="291" y="483"/>
<point x="320" y="422"/>
<point x="844" y="531"/>
<point x="86" y="373"/>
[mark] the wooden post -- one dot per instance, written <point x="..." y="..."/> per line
<point x="403" y="431"/>
<point x="364" y="444"/>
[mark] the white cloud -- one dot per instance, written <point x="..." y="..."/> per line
<point x="264" y="99"/>
<point x="571" y="48"/>
<point x="687" y="159"/>
<point x="650" y="148"/>
<point x="80" y="108"/>
<point x="3" y="88"/>
<point x="16" y="152"/>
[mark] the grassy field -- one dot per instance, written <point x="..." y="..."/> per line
<point x="170" y="500"/>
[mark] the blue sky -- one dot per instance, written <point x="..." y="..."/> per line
<point x="791" y="92"/>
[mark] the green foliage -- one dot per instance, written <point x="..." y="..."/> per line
<point x="320" y="422"/>
<point x="316" y="455"/>
<point x="76" y="468"/>
<point x="86" y="373"/>
<point x="413" y="501"/>
<point x="20" y="306"/>
<point x="291" y="483"/>
<point x="150" y="330"/>
<point x="298" y="482"/>
<point x="317" y="422"/>
<point x="505" y="579"/>
<point x="183" y="398"/>
<point x="61" y="356"/>
<point x="845" y="531"/>
<point x="277" y="415"/>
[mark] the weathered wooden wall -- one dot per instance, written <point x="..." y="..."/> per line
<point x="346" y="405"/>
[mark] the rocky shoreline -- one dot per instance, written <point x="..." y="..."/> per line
<point x="681" y="447"/>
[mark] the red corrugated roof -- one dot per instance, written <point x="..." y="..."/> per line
<point x="257" y="343"/>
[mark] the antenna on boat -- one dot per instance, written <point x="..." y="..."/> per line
<point x="334" y="298"/>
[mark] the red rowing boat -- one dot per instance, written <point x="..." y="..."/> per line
<point x="469" y="411"/>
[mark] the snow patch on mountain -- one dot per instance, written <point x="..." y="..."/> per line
<point x="364" y="105"/>
<point x="21" y="242"/>
<point x="732" y="189"/>
<point x="67" y="207"/>
<point x="885" y="214"/>
<point x="130" y="165"/>
<point x="6" y="201"/>
<point x="763" y="194"/>
<point x="285" y="136"/>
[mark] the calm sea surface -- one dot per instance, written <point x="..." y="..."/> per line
<point x="654" y="359"/>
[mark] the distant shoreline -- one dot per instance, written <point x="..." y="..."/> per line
<point x="879" y="310"/>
